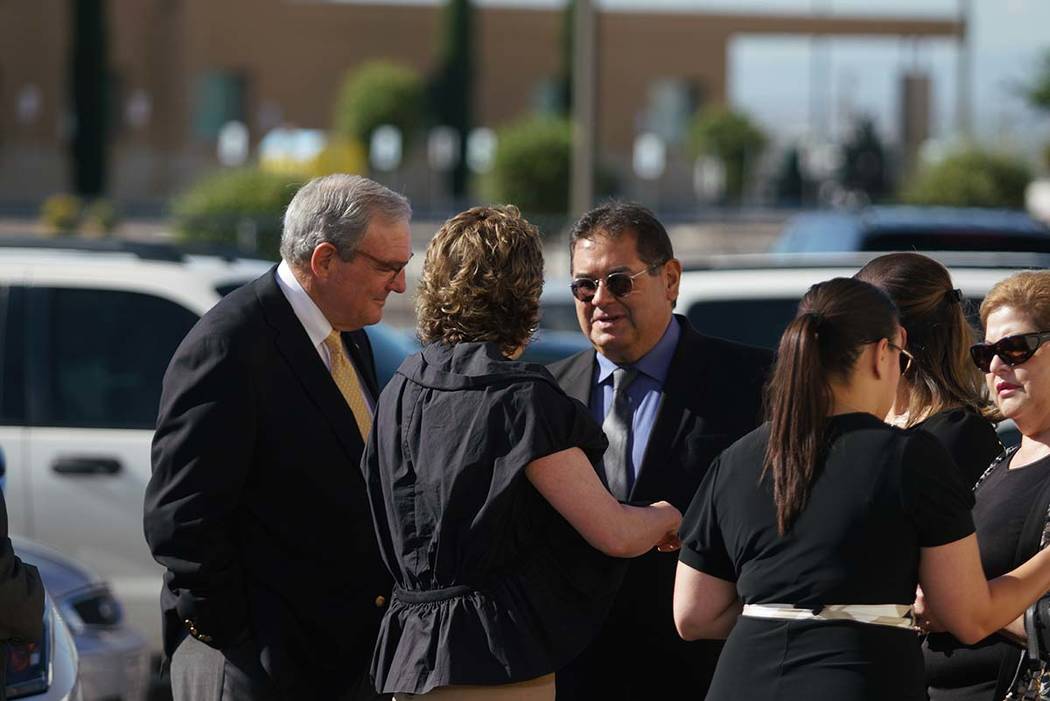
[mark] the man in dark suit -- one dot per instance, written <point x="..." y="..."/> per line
<point x="257" y="507"/>
<point x="669" y="400"/>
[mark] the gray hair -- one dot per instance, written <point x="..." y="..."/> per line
<point x="336" y="209"/>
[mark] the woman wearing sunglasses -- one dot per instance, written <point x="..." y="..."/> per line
<point x="942" y="392"/>
<point x="808" y="536"/>
<point x="1012" y="498"/>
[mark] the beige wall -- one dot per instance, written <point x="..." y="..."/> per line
<point x="294" y="54"/>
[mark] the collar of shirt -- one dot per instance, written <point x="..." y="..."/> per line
<point x="655" y="364"/>
<point x="310" y="316"/>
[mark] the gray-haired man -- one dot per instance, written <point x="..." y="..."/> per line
<point x="274" y="585"/>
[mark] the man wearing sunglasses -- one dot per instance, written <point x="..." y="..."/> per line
<point x="669" y="400"/>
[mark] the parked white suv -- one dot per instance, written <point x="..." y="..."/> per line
<point x="86" y="332"/>
<point x="750" y="298"/>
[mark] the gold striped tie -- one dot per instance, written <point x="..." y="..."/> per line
<point x="346" y="380"/>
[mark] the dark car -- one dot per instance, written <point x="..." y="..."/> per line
<point x="914" y="229"/>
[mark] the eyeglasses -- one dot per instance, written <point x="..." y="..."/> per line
<point x="620" y="284"/>
<point x="1012" y="350"/>
<point x="392" y="268"/>
<point x="905" y="358"/>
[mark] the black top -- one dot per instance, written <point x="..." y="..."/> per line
<point x="879" y="495"/>
<point x="493" y="586"/>
<point x="968" y="437"/>
<point x="1004" y="501"/>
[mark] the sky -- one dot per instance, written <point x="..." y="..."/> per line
<point x="769" y="77"/>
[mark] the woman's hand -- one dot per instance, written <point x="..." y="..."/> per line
<point x="670" y="543"/>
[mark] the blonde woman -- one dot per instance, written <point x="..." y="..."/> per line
<point x="505" y="547"/>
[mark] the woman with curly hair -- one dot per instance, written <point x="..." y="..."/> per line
<point x="505" y="547"/>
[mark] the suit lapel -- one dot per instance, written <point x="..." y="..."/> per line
<point x="577" y="377"/>
<point x="306" y="365"/>
<point x="683" y="388"/>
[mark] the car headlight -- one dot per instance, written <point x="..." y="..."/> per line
<point x="29" y="664"/>
<point x="94" y="607"/>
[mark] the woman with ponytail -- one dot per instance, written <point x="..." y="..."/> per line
<point x="808" y="536"/>
<point x="942" y="393"/>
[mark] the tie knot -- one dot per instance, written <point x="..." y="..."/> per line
<point x="334" y="342"/>
<point x="622" y="379"/>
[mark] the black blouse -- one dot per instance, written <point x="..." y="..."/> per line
<point x="968" y="437"/>
<point x="493" y="586"/>
<point x="880" y="494"/>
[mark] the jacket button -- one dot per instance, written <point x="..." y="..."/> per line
<point x="380" y="601"/>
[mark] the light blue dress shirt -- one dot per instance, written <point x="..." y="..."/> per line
<point x="645" y="392"/>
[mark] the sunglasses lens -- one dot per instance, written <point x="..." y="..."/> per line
<point x="1014" y="350"/>
<point x="583" y="289"/>
<point x="619" y="284"/>
<point x="982" y="354"/>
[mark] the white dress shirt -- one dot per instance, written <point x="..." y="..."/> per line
<point x="314" y="322"/>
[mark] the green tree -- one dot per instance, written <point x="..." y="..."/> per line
<point x="452" y="86"/>
<point x="229" y="206"/>
<point x="564" y="78"/>
<point x="531" y="166"/>
<point x="1037" y="92"/>
<point x="377" y="93"/>
<point x="732" y="137"/>
<point x="89" y="72"/>
<point x="864" y="162"/>
<point x="970" y="178"/>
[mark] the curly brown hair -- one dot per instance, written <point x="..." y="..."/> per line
<point x="481" y="280"/>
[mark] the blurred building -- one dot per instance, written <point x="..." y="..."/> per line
<point x="181" y="69"/>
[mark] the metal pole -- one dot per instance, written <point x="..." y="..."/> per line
<point x="964" y="71"/>
<point x="584" y="108"/>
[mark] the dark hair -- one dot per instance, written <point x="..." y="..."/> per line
<point x="614" y="219"/>
<point x="939" y="336"/>
<point x="835" y="320"/>
<point x="481" y="280"/>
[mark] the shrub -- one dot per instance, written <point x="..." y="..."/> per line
<point x="100" y="218"/>
<point x="61" y="214"/>
<point x="232" y="207"/>
<point x="733" y="138"/>
<point x="377" y="93"/>
<point x="532" y="166"/>
<point x="970" y="178"/>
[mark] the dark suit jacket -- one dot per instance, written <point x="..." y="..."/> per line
<point x="257" y="506"/>
<point x="21" y="594"/>
<point x="712" y="397"/>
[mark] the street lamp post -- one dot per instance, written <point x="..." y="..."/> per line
<point x="584" y="109"/>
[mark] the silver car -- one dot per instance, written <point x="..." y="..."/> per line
<point x="44" y="671"/>
<point x="114" y="659"/>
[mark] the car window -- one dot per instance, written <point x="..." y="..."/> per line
<point x="100" y="355"/>
<point x="12" y="356"/>
<point x="559" y="316"/>
<point x="957" y="239"/>
<point x="761" y="321"/>
<point x="756" y="322"/>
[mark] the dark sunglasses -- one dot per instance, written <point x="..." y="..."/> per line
<point x="1012" y="350"/>
<point x="905" y="358"/>
<point x="620" y="284"/>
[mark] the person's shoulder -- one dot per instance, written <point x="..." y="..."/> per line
<point x="559" y="368"/>
<point x="235" y="322"/>
<point x="723" y="350"/>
